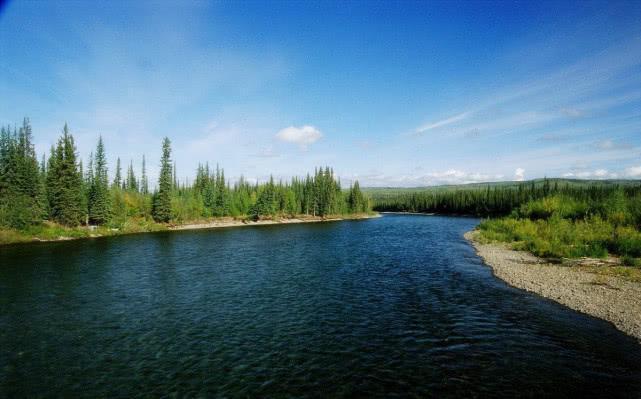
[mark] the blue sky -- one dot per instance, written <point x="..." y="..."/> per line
<point x="390" y="93"/>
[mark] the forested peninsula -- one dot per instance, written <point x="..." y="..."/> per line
<point x="554" y="219"/>
<point x="60" y="197"/>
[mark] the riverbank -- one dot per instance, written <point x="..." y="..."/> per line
<point x="580" y="286"/>
<point x="231" y="222"/>
<point x="49" y="232"/>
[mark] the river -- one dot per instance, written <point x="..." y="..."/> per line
<point x="393" y="306"/>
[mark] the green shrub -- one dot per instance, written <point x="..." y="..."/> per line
<point x="562" y="227"/>
<point x="628" y="260"/>
<point x="557" y="205"/>
<point x="539" y="209"/>
<point x="626" y="241"/>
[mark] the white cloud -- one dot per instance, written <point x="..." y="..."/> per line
<point x="450" y="176"/>
<point x="592" y="174"/>
<point x="634" y="171"/>
<point x="519" y="174"/>
<point x="303" y="136"/>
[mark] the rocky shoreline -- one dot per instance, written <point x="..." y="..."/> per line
<point x="231" y="222"/>
<point x="607" y="297"/>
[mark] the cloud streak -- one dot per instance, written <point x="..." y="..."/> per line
<point x="578" y="91"/>
<point x="430" y="126"/>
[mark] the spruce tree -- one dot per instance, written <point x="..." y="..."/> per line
<point x="99" y="197"/>
<point x="175" y="180"/>
<point x="144" y="183"/>
<point x="266" y="201"/>
<point x="42" y="199"/>
<point x="89" y="175"/>
<point x="88" y="183"/>
<point x="84" y="189"/>
<point x="118" y="178"/>
<point x="162" y="199"/>
<point x="51" y="180"/>
<point x="4" y="161"/>
<point x="21" y="194"/>
<point x="28" y="171"/>
<point x="221" y="201"/>
<point x="8" y="171"/>
<point x="131" y="182"/>
<point x="64" y="183"/>
<point x="357" y="202"/>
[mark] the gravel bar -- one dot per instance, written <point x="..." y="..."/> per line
<point x="607" y="297"/>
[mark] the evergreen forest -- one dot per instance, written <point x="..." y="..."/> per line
<point x="59" y="189"/>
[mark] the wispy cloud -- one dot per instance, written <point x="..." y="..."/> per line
<point x="611" y="145"/>
<point x="575" y="91"/>
<point x="424" y="128"/>
<point x="512" y="122"/>
<point x="266" y="152"/>
<point x="571" y="112"/>
<point x="136" y="86"/>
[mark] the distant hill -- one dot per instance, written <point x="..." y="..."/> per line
<point x="382" y="192"/>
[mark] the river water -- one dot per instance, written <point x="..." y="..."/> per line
<point x="398" y="306"/>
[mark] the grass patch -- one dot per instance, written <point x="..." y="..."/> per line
<point x="52" y="232"/>
<point x="628" y="260"/>
<point x="623" y="272"/>
<point x="10" y="236"/>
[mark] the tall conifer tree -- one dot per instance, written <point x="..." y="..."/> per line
<point x="162" y="199"/>
<point x="99" y="198"/>
<point x="131" y="183"/>
<point x="65" y="183"/>
<point x="144" y="182"/>
<point x="118" y="177"/>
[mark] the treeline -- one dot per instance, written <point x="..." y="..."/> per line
<point x="58" y="188"/>
<point x="549" y="218"/>
<point x="494" y="201"/>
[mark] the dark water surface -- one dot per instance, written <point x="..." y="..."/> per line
<point x="393" y="307"/>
